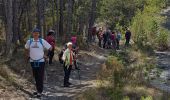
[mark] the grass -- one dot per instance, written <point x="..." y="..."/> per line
<point x="123" y="78"/>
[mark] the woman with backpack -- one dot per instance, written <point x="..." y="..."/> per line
<point x="51" y="40"/>
<point x="35" y="51"/>
<point x="68" y="63"/>
<point x="113" y="39"/>
<point x="118" y="38"/>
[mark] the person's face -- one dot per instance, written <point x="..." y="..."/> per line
<point x="70" y="47"/>
<point x="36" y="35"/>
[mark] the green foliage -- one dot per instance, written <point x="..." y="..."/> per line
<point x="146" y="98"/>
<point x="119" y="11"/>
<point x="162" y="39"/>
<point x="147" y="24"/>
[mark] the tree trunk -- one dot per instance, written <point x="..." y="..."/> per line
<point x="61" y="18"/>
<point x="69" y="19"/>
<point x="30" y="17"/>
<point x="53" y="15"/>
<point x="41" y="17"/>
<point x="92" y="19"/>
<point x="15" y="21"/>
<point x="57" y="22"/>
<point x="9" y="27"/>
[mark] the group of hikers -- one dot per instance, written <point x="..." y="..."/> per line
<point x="110" y="39"/>
<point x="36" y="47"/>
<point x="35" y="53"/>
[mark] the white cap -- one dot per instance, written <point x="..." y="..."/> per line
<point x="51" y="31"/>
<point x="69" y="43"/>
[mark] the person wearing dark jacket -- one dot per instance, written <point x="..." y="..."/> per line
<point x="128" y="37"/>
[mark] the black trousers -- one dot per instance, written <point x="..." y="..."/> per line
<point x="127" y="41"/>
<point x="104" y="44"/>
<point x="38" y="74"/>
<point x="100" y="43"/>
<point x="67" y="72"/>
<point x="51" y="55"/>
<point x="117" y="43"/>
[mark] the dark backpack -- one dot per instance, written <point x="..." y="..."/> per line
<point x="60" y="55"/>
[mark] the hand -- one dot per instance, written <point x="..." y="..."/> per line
<point x="45" y="57"/>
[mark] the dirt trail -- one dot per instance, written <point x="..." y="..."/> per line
<point x="89" y="63"/>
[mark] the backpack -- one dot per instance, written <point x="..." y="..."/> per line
<point x="60" y="55"/>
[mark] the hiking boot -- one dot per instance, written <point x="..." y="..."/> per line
<point x="66" y="85"/>
<point x="77" y="68"/>
<point x="39" y="95"/>
<point x="69" y="83"/>
<point x="35" y="93"/>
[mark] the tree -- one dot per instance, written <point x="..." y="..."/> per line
<point x="61" y="18"/>
<point x="41" y="16"/>
<point x="69" y="18"/>
<point x="92" y="18"/>
<point x="9" y="26"/>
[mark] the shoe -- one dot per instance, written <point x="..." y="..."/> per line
<point x="39" y="95"/>
<point x="66" y="85"/>
<point x="77" y="68"/>
<point x="35" y="93"/>
<point x="69" y="83"/>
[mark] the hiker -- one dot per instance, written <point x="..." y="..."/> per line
<point x="100" y="37"/>
<point x="113" y="39"/>
<point x="68" y="62"/>
<point x="118" y="38"/>
<point x="51" y="40"/>
<point x="93" y="34"/>
<point x="35" y="51"/>
<point x="127" y="36"/>
<point x="104" y="39"/>
<point x="75" y="49"/>
<point x="108" y="34"/>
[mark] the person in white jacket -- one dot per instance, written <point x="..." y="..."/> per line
<point x="68" y="63"/>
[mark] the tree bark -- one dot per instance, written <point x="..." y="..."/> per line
<point x="9" y="27"/>
<point x="61" y="18"/>
<point x="41" y="17"/>
<point x="92" y="19"/>
<point x="57" y="22"/>
<point x="69" y="19"/>
<point x="30" y="17"/>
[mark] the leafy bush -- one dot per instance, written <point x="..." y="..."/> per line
<point x="147" y="24"/>
<point x="162" y="39"/>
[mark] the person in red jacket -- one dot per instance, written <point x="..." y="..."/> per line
<point x="51" y="40"/>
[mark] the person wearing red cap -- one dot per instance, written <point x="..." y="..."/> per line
<point x="51" y="40"/>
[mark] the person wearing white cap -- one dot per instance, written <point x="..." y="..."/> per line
<point x="68" y="62"/>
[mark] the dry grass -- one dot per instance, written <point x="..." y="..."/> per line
<point x="126" y="68"/>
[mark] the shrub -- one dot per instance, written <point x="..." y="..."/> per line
<point x="162" y="39"/>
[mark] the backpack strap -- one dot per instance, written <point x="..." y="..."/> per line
<point x="31" y="40"/>
<point x="40" y="39"/>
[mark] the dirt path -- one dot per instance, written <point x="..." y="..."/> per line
<point x="89" y="63"/>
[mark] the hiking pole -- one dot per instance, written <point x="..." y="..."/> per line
<point x="78" y="72"/>
<point x="45" y="70"/>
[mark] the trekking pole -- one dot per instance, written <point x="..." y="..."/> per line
<point x="45" y="71"/>
<point x="78" y="72"/>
